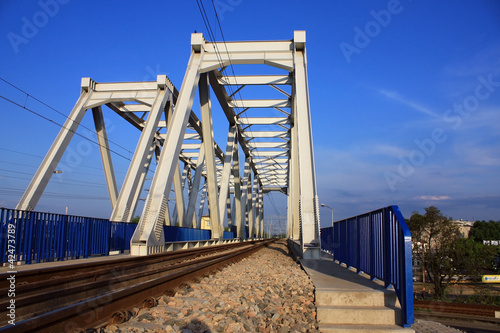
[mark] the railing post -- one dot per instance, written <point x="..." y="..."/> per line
<point x="39" y="237"/>
<point x="387" y="248"/>
<point x="18" y="222"/>
<point x="63" y="238"/>
<point x="371" y="237"/>
<point x="27" y="239"/>
<point x="406" y="274"/>
<point x="358" y="246"/>
<point x="88" y="238"/>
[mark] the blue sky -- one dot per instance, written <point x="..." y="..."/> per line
<point x="405" y="95"/>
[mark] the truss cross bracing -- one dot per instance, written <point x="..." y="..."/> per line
<point x="269" y="143"/>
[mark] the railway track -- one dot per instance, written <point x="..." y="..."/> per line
<point x="457" y="308"/>
<point x="81" y="296"/>
<point x="467" y="317"/>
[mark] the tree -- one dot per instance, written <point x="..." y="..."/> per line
<point x="441" y="234"/>
<point x="470" y="257"/>
<point x="437" y="235"/>
<point x="416" y="223"/>
<point x="483" y="230"/>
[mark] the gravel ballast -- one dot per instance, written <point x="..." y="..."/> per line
<point x="266" y="292"/>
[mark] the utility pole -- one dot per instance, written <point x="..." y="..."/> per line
<point x="423" y="269"/>
<point x="323" y="205"/>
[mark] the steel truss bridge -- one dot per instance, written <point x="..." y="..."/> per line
<point x="277" y="150"/>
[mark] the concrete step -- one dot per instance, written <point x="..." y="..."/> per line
<point x="330" y="328"/>
<point x="357" y="315"/>
<point x="356" y="298"/>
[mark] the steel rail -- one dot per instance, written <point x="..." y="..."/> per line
<point x="114" y="304"/>
<point x="35" y="299"/>
<point x="446" y="317"/>
<point x="457" y="308"/>
<point x="81" y="269"/>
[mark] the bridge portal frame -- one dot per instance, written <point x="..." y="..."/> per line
<point x="280" y="159"/>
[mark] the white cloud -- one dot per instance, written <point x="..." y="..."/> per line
<point x="475" y="154"/>
<point x="484" y="61"/>
<point x="416" y="106"/>
<point x="389" y="150"/>
<point x="484" y="119"/>
<point x="433" y="197"/>
<point x="459" y="79"/>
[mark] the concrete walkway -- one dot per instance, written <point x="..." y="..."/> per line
<point x="425" y="326"/>
<point x="332" y="279"/>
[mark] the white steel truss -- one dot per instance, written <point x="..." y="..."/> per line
<point x="277" y="146"/>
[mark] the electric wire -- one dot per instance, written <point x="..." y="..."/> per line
<point x="219" y="57"/>
<point x="63" y="180"/>
<point x="28" y="95"/>
<point x="69" y="171"/>
<point x="13" y="191"/>
<point x="238" y="91"/>
<point x="62" y="126"/>
<point x="38" y="156"/>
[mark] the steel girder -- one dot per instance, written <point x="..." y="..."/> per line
<point x="147" y="106"/>
<point x="274" y="135"/>
<point x="278" y="149"/>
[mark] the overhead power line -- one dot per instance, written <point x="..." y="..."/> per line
<point x="28" y="95"/>
<point x="13" y="191"/>
<point x="60" y="125"/>
<point x="211" y="34"/>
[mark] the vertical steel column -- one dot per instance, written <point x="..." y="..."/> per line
<point x="226" y="173"/>
<point x="289" y="215"/>
<point x="229" y="211"/>
<point x="208" y="141"/>
<point x="107" y="163"/>
<point x="250" y="208"/>
<point x="310" y="239"/>
<point x="46" y="169"/>
<point x="261" y="217"/>
<point x="180" y="208"/>
<point x="246" y="195"/>
<point x="202" y="204"/>
<point x="193" y="194"/>
<point x="238" y="206"/>
<point x="257" y="206"/>
<point x="294" y="185"/>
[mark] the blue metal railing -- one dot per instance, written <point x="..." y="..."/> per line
<point x="33" y="237"/>
<point x="120" y="235"/>
<point x="181" y="234"/>
<point x="377" y="243"/>
<point x="178" y="234"/>
<point x="37" y="237"/>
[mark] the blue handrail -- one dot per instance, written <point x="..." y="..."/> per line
<point x="33" y="237"/>
<point x="377" y="243"/>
